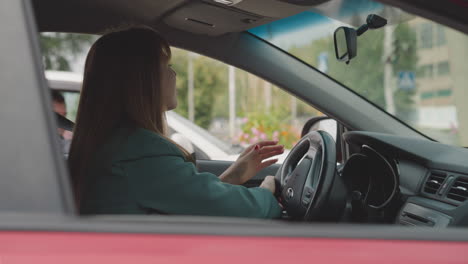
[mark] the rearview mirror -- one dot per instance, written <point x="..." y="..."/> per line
<point x="346" y="38"/>
<point x="345" y="43"/>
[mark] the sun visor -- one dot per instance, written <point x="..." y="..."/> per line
<point x="208" y="19"/>
<point x="276" y="8"/>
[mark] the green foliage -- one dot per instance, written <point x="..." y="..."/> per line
<point x="211" y="100"/>
<point x="179" y="63"/>
<point x="209" y="87"/>
<point x="365" y="73"/>
<point x="59" y="48"/>
<point x="405" y="59"/>
<point x="210" y="80"/>
<point x="269" y="126"/>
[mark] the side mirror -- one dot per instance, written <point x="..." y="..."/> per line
<point x="345" y="44"/>
<point x="323" y="123"/>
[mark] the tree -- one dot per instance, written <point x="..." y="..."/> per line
<point x="210" y="83"/>
<point x="405" y="59"/>
<point x="365" y="73"/>
<point x="59" y="49"/>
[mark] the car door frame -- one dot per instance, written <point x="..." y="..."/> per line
<point x="45" y="204"/>
<point x="32" y="169"/>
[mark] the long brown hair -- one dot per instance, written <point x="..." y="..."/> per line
<point x="122" y="82"/>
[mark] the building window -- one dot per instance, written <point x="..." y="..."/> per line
<point x="426" y="71"/>
<point x="443" y="68"/>
<point x="427" y="95"/>
<point x="441" y="39"/>
<point x="444" y="93"/>
<point x="425" y="39"/>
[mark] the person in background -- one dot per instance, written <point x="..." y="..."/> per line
<point x="59" y="106"/>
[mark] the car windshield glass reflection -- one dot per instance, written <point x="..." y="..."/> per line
<point x="412" y="68"/>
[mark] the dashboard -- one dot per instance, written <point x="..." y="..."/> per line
<point x="407" y="181"/>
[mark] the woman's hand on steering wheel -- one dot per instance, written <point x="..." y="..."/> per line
<point x="251" y="161"/>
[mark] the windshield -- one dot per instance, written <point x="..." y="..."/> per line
<point x="413" y="68"/>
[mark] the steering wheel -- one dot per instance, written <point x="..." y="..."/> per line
<point x="310" y="188"/>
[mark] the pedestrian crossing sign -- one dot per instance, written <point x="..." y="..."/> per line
<point x="406" y="80"/>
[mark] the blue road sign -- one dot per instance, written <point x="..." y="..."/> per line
<point x="406" y="80"/>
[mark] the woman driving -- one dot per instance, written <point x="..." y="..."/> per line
<point x="121" y="159"/>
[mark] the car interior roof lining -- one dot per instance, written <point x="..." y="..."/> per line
<point x="99" y="16"/>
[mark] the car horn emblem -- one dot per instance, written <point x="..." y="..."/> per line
<point x="290" y="193"/>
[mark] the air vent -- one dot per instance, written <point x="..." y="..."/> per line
<point x="434" y="182"/>
<point x="459" y="190"/>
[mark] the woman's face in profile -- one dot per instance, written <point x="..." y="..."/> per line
<point x="169" y="86"/>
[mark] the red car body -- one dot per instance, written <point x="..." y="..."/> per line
<point x="61" y="247"/>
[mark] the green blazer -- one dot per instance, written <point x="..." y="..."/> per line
<point x="140" y="172"/>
